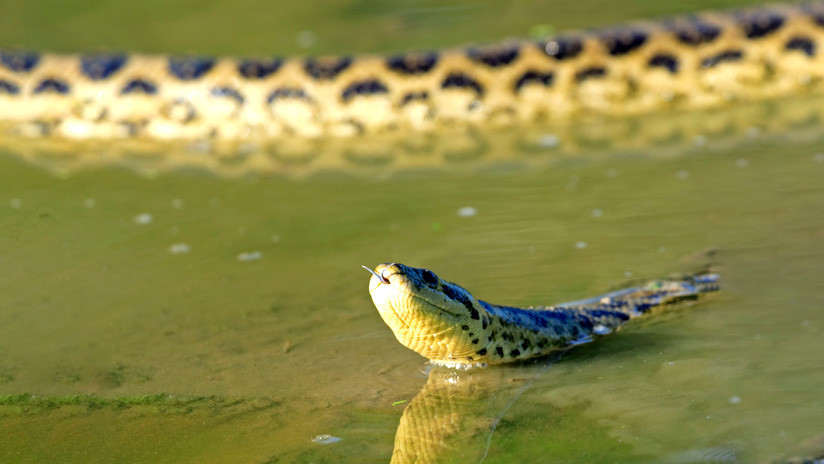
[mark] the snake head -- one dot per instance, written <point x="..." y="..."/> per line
<point x="436" y="318"/>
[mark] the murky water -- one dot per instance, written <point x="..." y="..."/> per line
<point x="180" y="315"/>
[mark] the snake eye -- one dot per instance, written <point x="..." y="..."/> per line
<point x="429" y="277"/>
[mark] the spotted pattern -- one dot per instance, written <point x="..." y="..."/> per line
<point x="19" y="62"/>
<point x="445" y="323"/>
<point x="139" y="86"/>
<point x="190" y="68"/>
<point x="100" y="67"/>
<point x="696" y="61"/>
<point x="258" y="69"/>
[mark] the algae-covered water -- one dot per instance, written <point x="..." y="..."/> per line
<point x="152" y="314"/>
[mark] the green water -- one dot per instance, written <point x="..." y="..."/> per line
<point x="186" y="316"/>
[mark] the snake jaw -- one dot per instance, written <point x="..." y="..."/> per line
<point x="423" y="314"/>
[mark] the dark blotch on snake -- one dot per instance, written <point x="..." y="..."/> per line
<point x="139" y="86"/>
<point x="622" y="41"/>
<point x="259" y="69"/>
<point x="412" y="63"/>
<point x="668" y="62"/>
<point x="19" y="61"/>
<point x="52" y="85"/>
<point x="535" y="77"/>
<point x="562" y="48"/>
<point x="99" y="67"/>
<point x="9" y="88"/>
<point x="327" y="68"/>
<point x="590" y="73"/>
<point x="802" y="44"/>
<point x="723" y="57"/>
<point x="367" y="87"/>
<point x="461" y="80"/>
<point x="694" y="31"/>
<point x="759" y="24"/>
<point x="288" y="93"/>
<point x="413" y="96"/>
<point x="189" y="68"/>
<point x="228" y="92"/>
<point x="494" y="57"/>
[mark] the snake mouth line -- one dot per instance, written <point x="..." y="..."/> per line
<point x="438" y="307"/>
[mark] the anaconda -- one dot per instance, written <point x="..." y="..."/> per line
<point x="697" y="61"/>
<point x="445" y="323"/>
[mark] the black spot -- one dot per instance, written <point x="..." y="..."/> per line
<point x="485" y="322"/>
<point x="494" y="57"/>
<point x="258" y="69"/>
<point x="188" y="68"/>
<point x="507" y="337"/>
<point x="723" y="57"/>
<point x="803" y="44"/>
<point x="623" y="41"/>
<point x="562" y="48"/>
<point x="816" y="12"/>
<point x="412" y="96"/>
<point x="515" y="352"/>
<point x="541" y="344"/>
<point x="327" y="68"/>
<point x="52" y="85"/>
<point x="9" y="88"/>
<point x="464" y="327"/>
<point x="642" y="307"/>
<point x="482" y="351"/>
<point x="460" y="80"/>
<point x="99" y="67"/>
<point x="664" y="61"/>
<point x="471" y="334"/>
<point x="694" y="31"/>
<point x="368" y="87"/>
<point x="19" y="61"/>
<point x="590" y="73"/>
<point x="289" y="93"/>
<point x="454" y="294"/>
<point x="525" y="344"/>
<point x="139" y="86"/>
<point x="602" y="313"/>
<point x="412" y="63"/>
<point x="500" y="351"/>
<point x="227" y="92"/>
<point x="535" y="77"/>
<point x="758" y="24"/>
<point x="475" y="341"/>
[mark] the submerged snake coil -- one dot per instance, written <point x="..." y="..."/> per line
<point x="697" y="61"/>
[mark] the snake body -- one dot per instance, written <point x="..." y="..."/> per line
<point x="445" y="323"/>
<point x="696" y="61"/>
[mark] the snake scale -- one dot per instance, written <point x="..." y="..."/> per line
<point x="697" y="61"/>
<point x="445" y="323"/>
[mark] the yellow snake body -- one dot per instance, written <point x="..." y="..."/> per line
<point x="697" y="61"/>
<point x="446" y="324"/>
